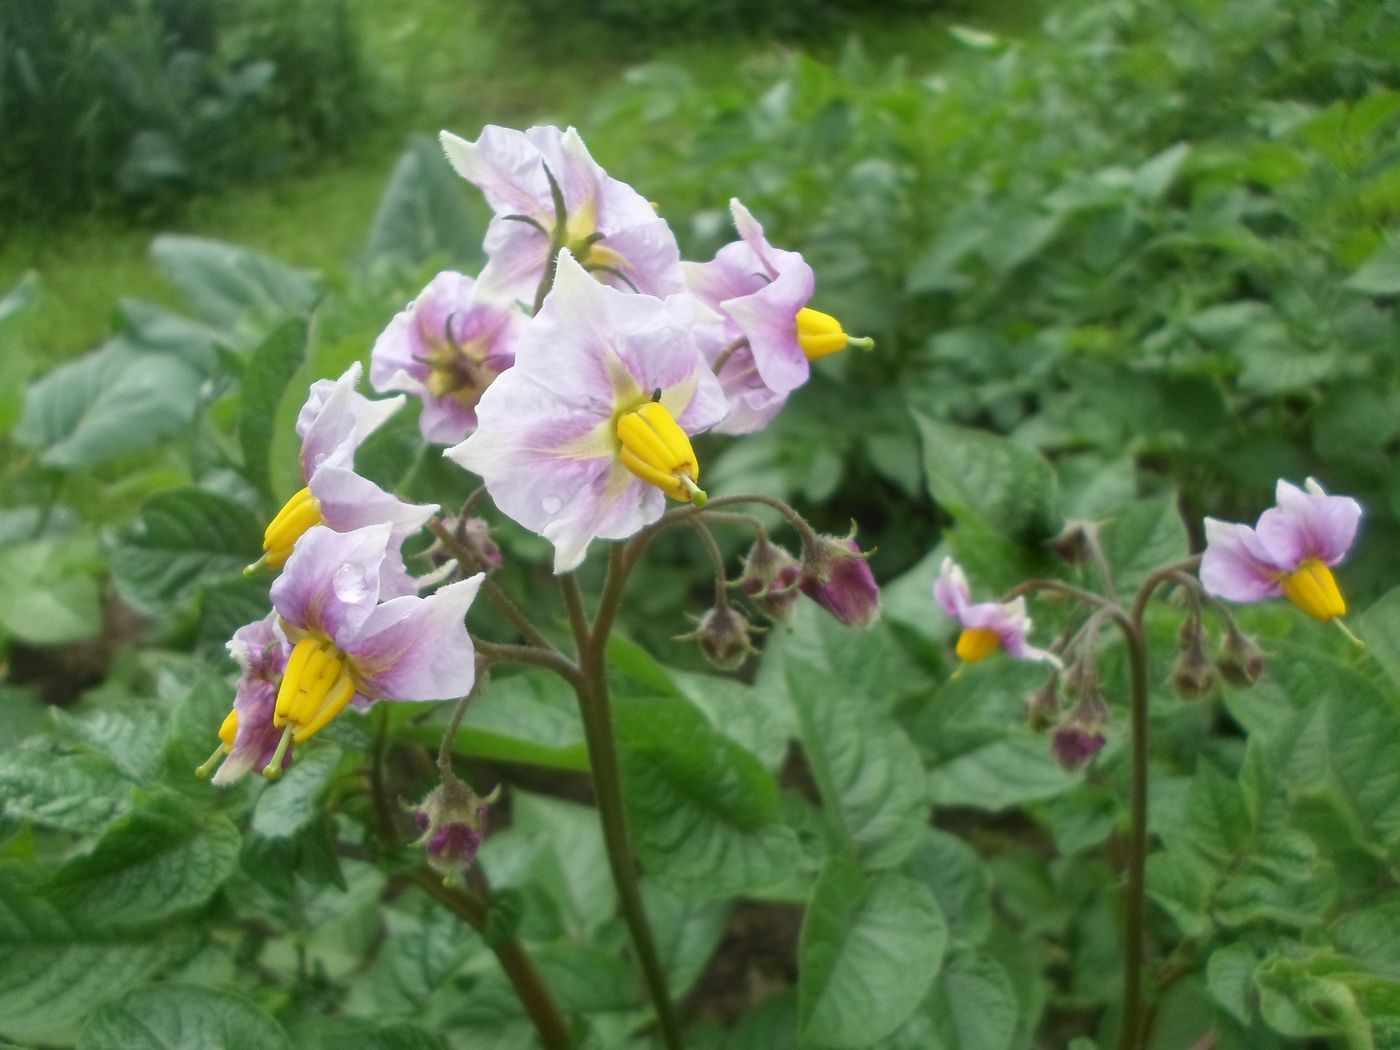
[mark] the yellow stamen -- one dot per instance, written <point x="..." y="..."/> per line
<point x="657" y="450"/>
<point x="317" y="685"/>
<point x="820" y="334"/>
<point x="229" y="730"/>
<point x="300" y="514"/>
<point x="977" y="643"/>
<point x="1313" y="589"/>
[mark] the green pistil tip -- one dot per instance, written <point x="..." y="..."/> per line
<point x="1341" y="626"/>
<point x="698" y="495"/>
<point x="273" y="769"/>
<point x="250" y="570"/>
<point x="209" y="763"/>
<point x="862" y="343"/>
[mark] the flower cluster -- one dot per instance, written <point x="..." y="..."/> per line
<point x="573" y="373"/>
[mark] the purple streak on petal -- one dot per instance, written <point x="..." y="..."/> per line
<point x="651" y="256"/>
<point x="950" y="589"/>
<point x="1237" y="565"/>
<point x="261" y="652"/>
<point x="1308" y="525"/>
<point x="259" y="648"/>
<point x="734" y="272"/>
<point x="331" y="582"/>
<point x="413" y="648"/>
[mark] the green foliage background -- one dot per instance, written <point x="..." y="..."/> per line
<point x="1131" y="267"/>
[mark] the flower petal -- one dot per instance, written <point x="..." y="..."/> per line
<point x="1237" y="565"/>
<point x="335" y="420"/>
<point x="1308" y="525"/>
<point x="350" y="502"/>
<point x="950" y="589"/>
<point x="413" y="648"/>
<point x="331" y="582"/>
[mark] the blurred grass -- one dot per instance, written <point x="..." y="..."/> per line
<point x="465" y="67"/>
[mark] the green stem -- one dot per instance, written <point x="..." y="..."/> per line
<point x="519" y="968"/>
<point x="603" y="759"/>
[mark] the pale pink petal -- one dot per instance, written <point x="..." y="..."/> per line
<point x="331" y="582"/>
<point x="336" y="419"/>
<point x="418" y="332"/>
<point x="1308" y="525"/>
<point x="950" y="589"/>
<point x="1237" y="565"/>
<point x="751" y="231"/>
<point x="349" y="502"/>
<point x="734" y="272"/>
<point x="650" y="256"/>
<point x="768" y="317"/>
<point x="258" y="648"/>
<point x="505" y="166"/>
<point x="516" y="257"/>
<point x="414" y="648"/>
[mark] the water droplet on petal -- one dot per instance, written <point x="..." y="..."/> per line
<point x="351" y="584"/>
<point x="553" y="504"/>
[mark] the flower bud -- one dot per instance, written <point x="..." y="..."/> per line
<point x="1043" y="705"/>
<point x="475" y="536"/>
<point x="836" y="576"/>
<point x="1073" y="542"/>
<point x="1241" y="661"/>
<point x="1076" y="746"/>
<point x="1193" y="676"/>
<point x="769" y="581"/>
<point x="723" y="635"/>
<point x="453" y="821"/>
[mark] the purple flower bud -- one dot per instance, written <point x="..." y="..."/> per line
<point x="475" y="535"/>
<point x="770" y="579"/>
<point x="453" y="820"/>
<point x="1076" y="746"/>
<point x="836" y="576"/>
<point x="723" y="634"/>
<point x="1193" y="675"/>
<point x="1241" y="660"/>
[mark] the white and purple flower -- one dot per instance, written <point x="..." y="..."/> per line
<point x="446" y="348"/>
<point x="610" y="228"/>
<point x="333" y="423"/>
<point x="986" y="626"/>
<point x="1287" y="554"/>
<point x="348" y="646"/>
<point x="581" y="438"/>
<point x="768" y="335"/>
<point x="248" y="739"/>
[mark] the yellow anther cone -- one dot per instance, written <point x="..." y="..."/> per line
<point x="316" y="687"/>
<point x="1313" y="588"/>
<point x="298" y="516"/>
<point x="977" y="643"/>
<point x="657" y="450"/>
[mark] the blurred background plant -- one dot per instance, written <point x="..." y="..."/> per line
<point x="1157" y="246"/>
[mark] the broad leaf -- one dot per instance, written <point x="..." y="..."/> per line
<point x="235" y="288"/>
<point x="169" y="1015"/>
<point x="266" y="377"/>
<point x="423" y="213"/>
<point x="871" y="947"/>
<point x="50" y="595"/>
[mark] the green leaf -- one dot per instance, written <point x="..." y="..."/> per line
<point x="423" y="214"/>
<point x="80" y="793"/>
<point x="1000" y="773"/>
<point x="291" y="803"/>
<point x="50" y="595"/>
<point x="955" y="873"/>
<point x="269" y="370"/>
<point x="1380" y="273"/>
<point x="113" y="401"/>
<point x="530" y="718"/>
<point x="687" y="933"/>
<point x="1379" y="628"/>
<point x="54" y="972"/>
<point x="870" y="949"/>
<point x="991" y="481"/>
<point x="1143" y="537"/>
<point x="181" y="537"/>
<point x="1230" y="978"/>
<point x="1324" y="994"/>
<point x="168" y="1016"/>
<point x="704" y="812"/>
<point x="972" y="1004"/>
<point x="425" y="945"/>
<point x="354" y="1033"/>
<point x="235" y="288"/>
<point x="162" y="858"/>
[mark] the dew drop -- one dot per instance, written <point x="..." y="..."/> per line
<point x="552" y="504"/>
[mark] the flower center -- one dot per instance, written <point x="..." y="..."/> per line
<point x="820" y="334"/>
<point x="298" y="515"/>
<point x="316" y="686"/>
<point x="977" y="643"/>
<point x="1313" y="589"/>
<point x="657" y="450"/>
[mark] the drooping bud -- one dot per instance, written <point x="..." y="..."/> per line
<point x="657" y="450"/>
<point x="723" y="635"/>
<point x="1074" y="543"/>
<point x="770" y="579"/>
<point x="1075" y="746"/>
<point x="1193" y="675"/>
<point x="474" y="536"/>
<point x="1241" y="661"/>
<point x="453" y="820"/>
<point x="836" y="576"/>
<point x="1043" y="705"/>
<point x="821" y="334"/>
